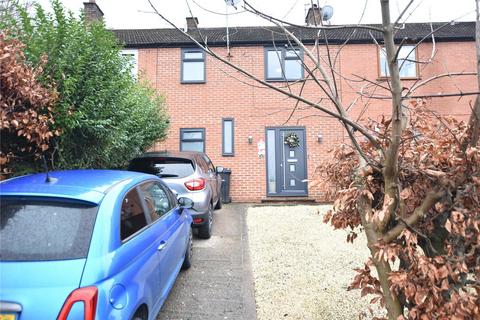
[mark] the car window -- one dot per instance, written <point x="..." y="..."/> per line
<point x="157" y="199"/>
<point x="35" y="229"/>
<point x="163" y="167"/>
<point x="173" y="198"/>
<point x="132" y="217"/>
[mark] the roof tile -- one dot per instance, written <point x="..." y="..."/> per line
<point x="264" y="35"/>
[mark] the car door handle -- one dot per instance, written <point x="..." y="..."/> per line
<point x="162" y="246"/>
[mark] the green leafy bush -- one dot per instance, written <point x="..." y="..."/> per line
<point x="104" y="115"/>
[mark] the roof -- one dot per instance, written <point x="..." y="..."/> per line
<point x="86" y="185"/>
<point x="264" y="35"/>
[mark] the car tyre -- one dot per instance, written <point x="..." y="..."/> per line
<point x="205" y="231"/>
<point x="187" y="262"/>
<point x="141" y="314"/>
<point x="219" y="203"/>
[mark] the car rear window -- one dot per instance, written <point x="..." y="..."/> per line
<point x="32" y="230"/>
<point x="163" y="167"/>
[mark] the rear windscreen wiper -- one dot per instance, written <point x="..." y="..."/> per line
<point x="167" y="175"/>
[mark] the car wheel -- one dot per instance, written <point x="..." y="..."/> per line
<point x="205" y="231"/>
<point x="141" y="314"/>
<point x="187" y="262"/>
<point x="219" y="203"/>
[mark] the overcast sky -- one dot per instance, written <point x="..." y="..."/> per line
<point x="121" y="14"/>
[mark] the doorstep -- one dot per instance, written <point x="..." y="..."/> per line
<point x="288" y="200"/>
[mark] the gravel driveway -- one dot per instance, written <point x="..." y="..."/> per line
<point x="301" y="266"/>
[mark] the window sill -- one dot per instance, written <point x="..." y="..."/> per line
<point x="193" y="82"/>
<point x="228" y="155"/>
<point x="401" y="78"/>
<point x="287" y="80"/>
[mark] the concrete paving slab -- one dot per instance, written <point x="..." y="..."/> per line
<point x="219" y="284"/>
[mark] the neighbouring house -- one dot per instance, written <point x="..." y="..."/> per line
<point x="243" y="126"/>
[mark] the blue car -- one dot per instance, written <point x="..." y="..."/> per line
<point x="90" y="244"/>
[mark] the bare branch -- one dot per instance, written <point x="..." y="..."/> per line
<point x="354" y="125"/>
<point x="431" y="33"/>
<point x="430" y="200"/>
<point x="296" y="103"/>
<point x="442" y="95"/>
<point x="251" y="9"/>
<point x="439" y="76"/>
<point x="403" y="12"/>
<point x="333" y="96"/>
<point x="424" y="96"/>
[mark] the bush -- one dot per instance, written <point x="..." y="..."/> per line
<point x="105" y="116"/>
<point x="25" y="110"/>
<point x="435" y="256"/>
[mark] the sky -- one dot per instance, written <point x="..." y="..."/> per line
<point x="137" y="14"/>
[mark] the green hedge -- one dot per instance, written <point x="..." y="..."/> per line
<point x="105" y="116"/>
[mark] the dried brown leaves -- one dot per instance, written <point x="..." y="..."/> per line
<point x="25" y="106"/>
<point x="437" y="260"/>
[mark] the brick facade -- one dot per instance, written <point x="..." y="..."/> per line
<point x="254" y="108"/>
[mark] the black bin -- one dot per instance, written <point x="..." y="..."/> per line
<point x="225" y="190"/>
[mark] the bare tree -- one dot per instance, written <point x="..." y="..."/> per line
<point x="416" y="205"/>
<point x="8" y="8"/>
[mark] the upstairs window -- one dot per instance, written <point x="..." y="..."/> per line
<point x="283" y="64"/>
<point x="192" y="140"/>
<point x="132" y="56"/>
<point x="406" y="62"/>
<point x="193" y="66"/>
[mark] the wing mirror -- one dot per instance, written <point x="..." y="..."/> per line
<point x="219" y="169"/>
<point x="185" y="203"/>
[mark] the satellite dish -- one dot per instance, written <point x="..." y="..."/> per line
<point x="232" y="3"/>
<point x="327" y="12"/>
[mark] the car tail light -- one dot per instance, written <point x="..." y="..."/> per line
<point x="197" y="220"/>
<point x="87" y="295"/>
<point x="195" y="184"/>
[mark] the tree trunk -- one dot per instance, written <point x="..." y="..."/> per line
<point x="390" y="169"/>
<point x="392" y="303"/>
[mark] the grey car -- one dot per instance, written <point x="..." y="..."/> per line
<point x="191" y="175"/>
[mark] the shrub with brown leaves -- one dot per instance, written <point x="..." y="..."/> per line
<point x="25" y="107"/>
<point x="435" y="257"/>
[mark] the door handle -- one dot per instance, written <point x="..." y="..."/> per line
<point x="162" y="246"/>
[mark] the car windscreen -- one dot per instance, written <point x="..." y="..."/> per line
<point x="36" y="230"/>
<point x="163" y="167"/>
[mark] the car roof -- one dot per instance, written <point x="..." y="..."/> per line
<point x="86" y="185"/>
<point x="171" y="154"/>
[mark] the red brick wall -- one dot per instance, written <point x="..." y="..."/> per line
<point x="254" y="108"/>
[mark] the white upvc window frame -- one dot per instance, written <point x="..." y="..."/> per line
<point x="133" y="54"/>
<point x="406" y="62"/>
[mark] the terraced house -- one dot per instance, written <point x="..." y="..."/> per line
<point x="244" y="126"/>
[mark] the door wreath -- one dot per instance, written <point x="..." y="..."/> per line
<point x="292" y="140"/>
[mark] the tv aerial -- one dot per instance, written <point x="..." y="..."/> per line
<point x="229" y="3"/>
<point x="327" y="12"/>
<point x="232" y="3"/>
